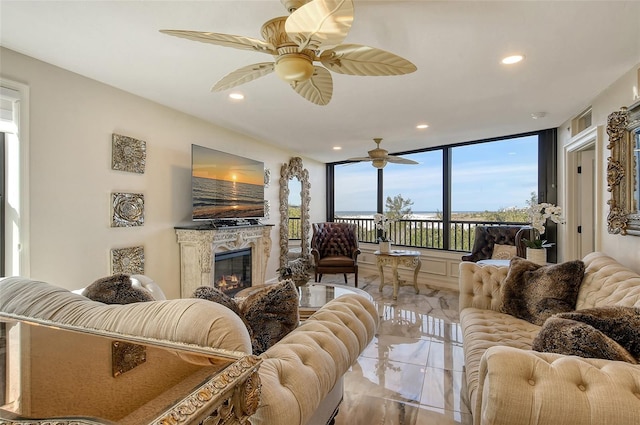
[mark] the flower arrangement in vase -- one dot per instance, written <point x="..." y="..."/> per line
<point x="538" y="215"/>
<point x="382" y="223"/>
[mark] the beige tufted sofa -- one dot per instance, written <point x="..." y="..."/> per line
<point x="508" y="383"/>
<point x="301" y="375"/>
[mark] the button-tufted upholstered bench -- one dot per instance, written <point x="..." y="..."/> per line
<point x="509" y="384"/>
<point x="301" y="375"/>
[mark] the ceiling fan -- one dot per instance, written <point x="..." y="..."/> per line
<point x="300" y="39"/>
<point x="379" y="157"/>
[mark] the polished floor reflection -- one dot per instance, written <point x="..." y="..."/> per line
<point x="411" y="373"/>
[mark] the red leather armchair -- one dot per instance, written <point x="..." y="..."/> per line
<point x="335" y="250"/>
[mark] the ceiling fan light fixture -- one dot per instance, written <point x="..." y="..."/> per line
<point x="379" y="163"/>
<point x="294" y="68"/>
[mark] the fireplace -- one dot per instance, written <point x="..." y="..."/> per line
<point x="199" y="249"/>
<point x="232" y="270"/>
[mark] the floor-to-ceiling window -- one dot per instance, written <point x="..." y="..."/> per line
<point x="437" y="203"/>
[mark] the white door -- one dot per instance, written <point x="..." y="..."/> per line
<point x="586" y="204"/>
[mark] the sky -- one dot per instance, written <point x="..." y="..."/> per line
<point x="485" y="177"/>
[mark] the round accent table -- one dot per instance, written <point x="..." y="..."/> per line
<point x="315" y="295"/>
<point x="397" y="258"/>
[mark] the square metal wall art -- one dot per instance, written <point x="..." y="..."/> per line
<point x="127" y="260"/>
<point x="127" y="209"/>
<point x="128" y="154"/>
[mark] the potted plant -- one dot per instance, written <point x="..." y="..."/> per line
<point x="538" y="215"/>
<point x="382" y="223"/>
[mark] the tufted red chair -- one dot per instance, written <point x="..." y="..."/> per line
<point x="488" y="236"/>
<point x="334" y="247"/>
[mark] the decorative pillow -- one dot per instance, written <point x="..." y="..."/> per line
<point x="611" y="333"/>
<point x="503" y="252"/>
<point x="217" y="296"/>
<point x="272" y="312"/>
<point x="534" y="293"/>
<point x="269" y="312"/>
<point x="116" y="289"/>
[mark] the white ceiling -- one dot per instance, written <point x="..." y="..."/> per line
<point x="573" y="50"/>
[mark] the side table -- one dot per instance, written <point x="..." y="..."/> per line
<point x="397" y="258"/>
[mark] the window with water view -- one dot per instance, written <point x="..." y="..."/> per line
<point x="438" y="203"/>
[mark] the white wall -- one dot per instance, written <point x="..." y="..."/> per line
<point x="625" y="249"/>
<point x="71" y="120"/>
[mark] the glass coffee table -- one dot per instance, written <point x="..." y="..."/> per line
<point x="315" y="295"/>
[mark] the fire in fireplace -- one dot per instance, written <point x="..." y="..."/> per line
<point x="232" y="270"/>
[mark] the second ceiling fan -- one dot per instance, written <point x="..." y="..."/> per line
<point x="312" y="32"/>
<point x="380" y="157"/>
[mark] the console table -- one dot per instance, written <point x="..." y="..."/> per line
<point x="397" y="258"/>
<point x="198" y="246"/>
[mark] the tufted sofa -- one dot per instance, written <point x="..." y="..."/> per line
<point x="508" y="383"/>
<point x="301" y="375"/>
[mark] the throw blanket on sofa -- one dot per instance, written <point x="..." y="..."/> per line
<point x="611" y="333"/>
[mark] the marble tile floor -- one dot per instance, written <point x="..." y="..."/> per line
<point x="411" y="373"/>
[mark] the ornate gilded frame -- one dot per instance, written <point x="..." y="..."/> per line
<point x="287" y="172"/>
<point x="623" y="128"/>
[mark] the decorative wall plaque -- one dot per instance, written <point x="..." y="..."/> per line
<point x="126" y="356"/>
<point x="128" y="154"/>
<point x="127" y="209"/>
<point x="127" y="260"/>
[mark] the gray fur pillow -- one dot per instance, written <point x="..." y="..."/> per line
<point x="116" y="289"/>
<point x="611" y="333"/>
<point x="269" y="312"/>
<point x="534" y="293"/>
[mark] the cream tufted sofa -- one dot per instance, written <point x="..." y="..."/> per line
<point x="509" y="384"/>
<point x="301" y="375"/>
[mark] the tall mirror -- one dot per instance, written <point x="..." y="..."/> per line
<point x="294" y="191"/>
<point x="623" y="175"/>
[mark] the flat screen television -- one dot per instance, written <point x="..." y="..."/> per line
<point x="225" y="186"/>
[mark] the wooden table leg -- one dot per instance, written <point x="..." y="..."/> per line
<point x="381" y="272"/>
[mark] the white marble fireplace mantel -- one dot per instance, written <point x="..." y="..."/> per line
<point x="199" y="245"/>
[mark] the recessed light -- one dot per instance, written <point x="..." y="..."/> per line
<point x="510" y="60"/>
<point x="422" y="126"/>
<point x="337" y="148"/>
<point x="538" y="115"/>
<point x="236" y="96"/>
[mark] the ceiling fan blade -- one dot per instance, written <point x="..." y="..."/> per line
<point x="244" y="75"/>
<point x="361" y="158"/>
<point x="227" y="40"/>
<point x="320" y="23"/>
<point x="356" y="59"/>
<point x="400" y="160"/>
<point x="318" y="89"/>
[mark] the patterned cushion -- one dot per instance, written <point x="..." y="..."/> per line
<point x="116" y="289"/>
<point x="533" y="292"/>
<point x="503" y="252"/>
<point x="270" y="312"/>
<point x="611" y="333"/>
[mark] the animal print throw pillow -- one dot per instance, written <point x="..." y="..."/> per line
<point x="534" y="293"/>
<point x="116" y="289"/>
<point x="270" y="312"/>
<point x="611" y="333"/>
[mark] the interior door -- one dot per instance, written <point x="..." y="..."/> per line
<point x="586" y="202"/>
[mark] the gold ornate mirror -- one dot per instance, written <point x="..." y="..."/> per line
<point x="288" y="172"/>
<point x="623" y="177"/>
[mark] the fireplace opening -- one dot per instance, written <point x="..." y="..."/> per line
<point x="232" y="271"/>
